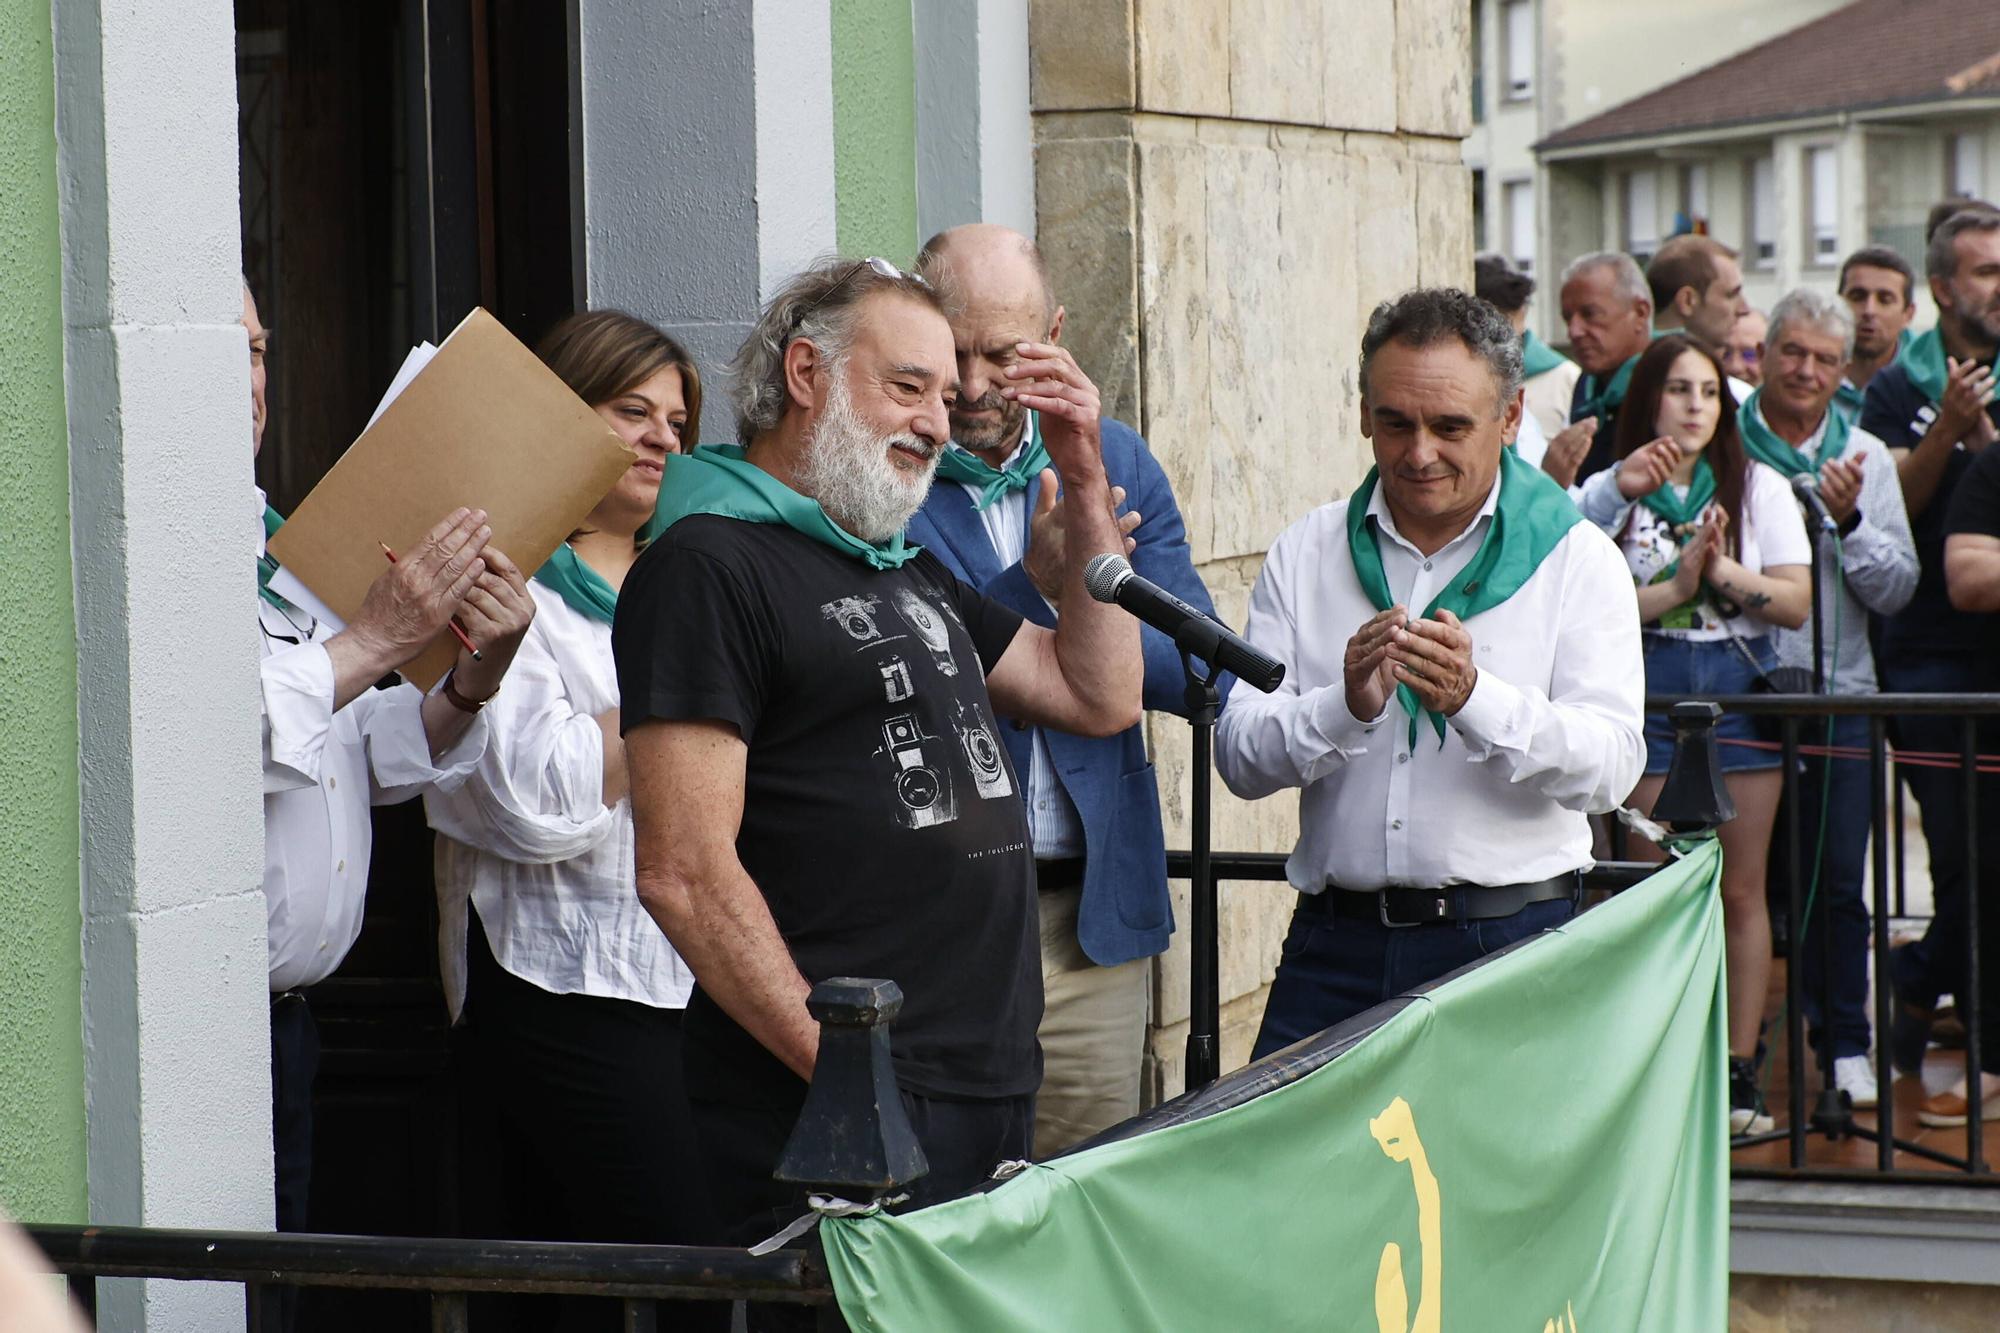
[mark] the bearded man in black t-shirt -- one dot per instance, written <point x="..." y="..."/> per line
<point x="808" y="710"/>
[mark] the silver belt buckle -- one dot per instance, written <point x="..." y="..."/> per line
<point x="1382" y="913"/>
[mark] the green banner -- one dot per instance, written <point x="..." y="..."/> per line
<point x="1539" y="1144"/>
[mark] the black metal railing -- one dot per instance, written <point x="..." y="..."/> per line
<point x="1696" y="776"/>
<point x="853" y="1138"/>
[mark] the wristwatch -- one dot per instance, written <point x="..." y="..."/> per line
<point x="459" y="701"/>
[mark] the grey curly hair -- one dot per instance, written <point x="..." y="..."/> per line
<point x="1429" y="315"/>
<point x="817" y="304"/>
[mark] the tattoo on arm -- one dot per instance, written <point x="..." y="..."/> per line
<point x="1757" y="601"/>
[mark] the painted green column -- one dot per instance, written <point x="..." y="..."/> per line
<point x="41" y="962"/>
<point x="875" y="128"/>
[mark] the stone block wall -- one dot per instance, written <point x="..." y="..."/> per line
<point x="1224" y="189"/>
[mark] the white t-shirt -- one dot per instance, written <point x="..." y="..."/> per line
<point x="1772" y="534"/>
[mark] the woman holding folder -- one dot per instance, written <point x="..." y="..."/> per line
<point x="570" y="994"/>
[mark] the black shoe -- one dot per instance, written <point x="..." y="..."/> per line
<point x="1746" y="1103"/>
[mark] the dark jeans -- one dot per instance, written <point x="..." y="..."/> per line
<point x="740" y="1145"/>
<point x="1843" y="785"/>
<point x="595" y="1139"/>
<point x="1333" y="968"/>
<point x="294" y="1065"/>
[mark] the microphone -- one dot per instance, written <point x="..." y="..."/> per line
<point x="1806" y="487"/>
<point x="1110" y="578"/>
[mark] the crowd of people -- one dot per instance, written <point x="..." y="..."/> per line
<point x="834" y="700"/>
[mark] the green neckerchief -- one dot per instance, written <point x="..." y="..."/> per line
<point x="1530" y="518"/>
<point x="1683" y="510"/>
<point x="267" y="564"/>
<point x="1537" y="357"/>
<point x="961" y="465"/>
<point x="1766" y="447"/>
<point x="1924" y="359"/>
<point x="718" y="479"/>
<point x="586" y="590"/>
<point x="1600" y="403"/>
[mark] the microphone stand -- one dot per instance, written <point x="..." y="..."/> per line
<point x="1204" y="1057"/>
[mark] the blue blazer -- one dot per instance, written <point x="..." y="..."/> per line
<point x="1125" y="912"/>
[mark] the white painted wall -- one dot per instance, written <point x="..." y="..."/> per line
<point x="975" y="142"/>
<point x="175" y="975"/>
<point x="793" y="45"/>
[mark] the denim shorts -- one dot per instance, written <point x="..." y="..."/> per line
<point x="1701" y="667"/>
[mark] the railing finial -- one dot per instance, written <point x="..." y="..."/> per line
<point x="1693" y="797"/>
<point x="853" y="1137"/>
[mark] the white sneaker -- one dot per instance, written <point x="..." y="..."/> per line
<point x="1853" y="1075"/>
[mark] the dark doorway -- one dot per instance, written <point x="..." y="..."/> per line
<point x="402" y="162"/>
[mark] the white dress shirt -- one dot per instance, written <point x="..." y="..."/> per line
<point x="529" y="841"/>
<point x="1055" y="829"/>
<point x="322" y="770"/>
<point x="1551" y="731"/>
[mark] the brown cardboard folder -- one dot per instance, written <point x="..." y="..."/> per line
<point x="484" y="424"/>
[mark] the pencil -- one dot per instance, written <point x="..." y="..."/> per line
<point x="452" y="625"/>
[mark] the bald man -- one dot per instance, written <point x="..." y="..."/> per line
<point x="994" y="517"/>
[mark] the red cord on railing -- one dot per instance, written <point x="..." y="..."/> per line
<point x="1984" y="763"/>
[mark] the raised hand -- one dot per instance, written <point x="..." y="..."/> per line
<point x="1043" y="563"/>
<point x="1969" y="388"/>
<point x="1045" y="378"/>
<point x="1647" y="468"/>
<point x="1434" y="658"/>
<point x="496" y="614"/>
<point x="1840" y="486"/>
<point x="406" y="607"/>
<point x="1366" y="671"/>
<point x="1567" y="450"/>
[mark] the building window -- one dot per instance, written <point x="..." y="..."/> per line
<point x="1479" y="210"/>
<point x="1762" y="224"/>
<point x="1518" y="204"/>
<point x="1965" y="168"/>
<point x="1694" y="194"/>
<point x="1517" y="30"/>
<point x="1823" y="183"/>
<point x="1642" y="214"/>
<point x="1478" y="62"/>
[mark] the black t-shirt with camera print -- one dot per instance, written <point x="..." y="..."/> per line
<point x="881" y="817"/>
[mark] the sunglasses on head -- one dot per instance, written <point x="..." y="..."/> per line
<point x="881" y="267"/>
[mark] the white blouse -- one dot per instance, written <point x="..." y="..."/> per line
<point x="529" y="841"/>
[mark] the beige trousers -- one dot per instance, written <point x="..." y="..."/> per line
<point x="1093" y="1033"/>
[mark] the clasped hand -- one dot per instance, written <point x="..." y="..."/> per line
<point x="1432" y="657"/>
<point x="451" y="572"/>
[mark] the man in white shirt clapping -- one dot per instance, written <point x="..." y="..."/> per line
<point x="1466" y="682"/>
<point x="334" y="745"/>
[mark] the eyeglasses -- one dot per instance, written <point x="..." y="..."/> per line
<point x="882" y="268"/>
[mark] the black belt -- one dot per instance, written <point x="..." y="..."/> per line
<point x="1453" y="905"/>
<point x="1060" y="873"/>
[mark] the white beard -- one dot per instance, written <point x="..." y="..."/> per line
<point x="847" y="469"/>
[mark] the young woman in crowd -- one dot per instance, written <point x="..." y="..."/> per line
<point x="1719" y="553"/>
<point x="571" y="996"/>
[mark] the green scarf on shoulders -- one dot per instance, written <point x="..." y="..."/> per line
<point x="267" y="564"/>
<point x="1600" y="402"/>
<point x="961" y="465"/>
<point x="1764" y="444"/>
<point x="1537" y="357"/>
<point x="1531" y="518"/>
<point x="1683" y="510"/>
<point x="1924" y="359"/>
<point x="719" y="479"/>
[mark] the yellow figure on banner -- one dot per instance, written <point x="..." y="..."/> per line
<point x="1396" y="1130"/>
<point x="1557" y="1325"/>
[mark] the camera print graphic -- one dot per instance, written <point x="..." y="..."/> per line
<point x="982" y="753"/>
<point x="922" y="779"/>
<point x="929" y="625"/>
<point x="856" y="615"/>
